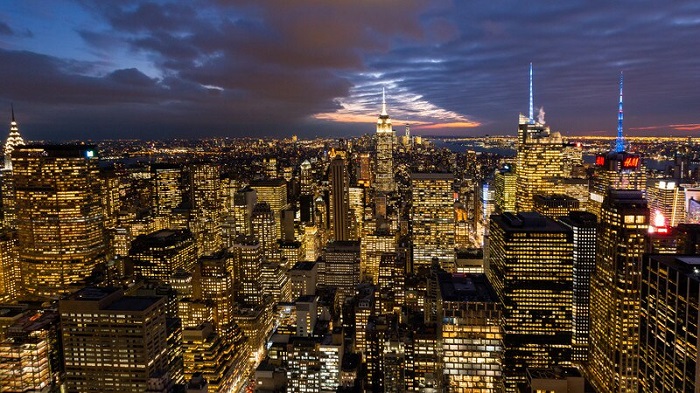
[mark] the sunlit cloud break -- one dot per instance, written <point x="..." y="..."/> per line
<point x="364" y="104"/>
<point x="676" y="127"/>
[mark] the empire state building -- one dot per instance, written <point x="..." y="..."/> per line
<point x="384" y="149"/>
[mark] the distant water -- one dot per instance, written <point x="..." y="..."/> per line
<point x="461" y="147"/>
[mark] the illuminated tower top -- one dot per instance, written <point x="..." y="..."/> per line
<point x="384" y="122"/>
<point x="532" y="119"/>
<point x="13" y="140"/>
<point x="620" y="142"/>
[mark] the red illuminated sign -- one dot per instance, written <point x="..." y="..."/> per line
<point x="600" y="160"/>
<point x="630" y="162"/>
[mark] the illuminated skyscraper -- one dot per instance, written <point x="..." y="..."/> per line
<point x="59" y="216"/>
<point x="432" y="218"/>
<point x="167" y="191"/>
<point x="7" y="187"/>
<point x="111" y="342"/>
<point x="274" y="192"/>
<point x="540" y="155"/>
<point x="668" y="348"/>
<point x="616" y="170"/>
<point x="243" y="203"/>
<point x="264" y="228"/>
<point x="339" y="199"/>
<point x="530" y="268"/>
<point x="340" y="267"/>
<point x="160" y="254"/>
<point x="207" y="208"/>
<point x="9" y="266"/>
<point x="306" y="178"/>
<point x="668" y="198"/>
<point x="469" y="322"/>
<point x="583" y="227"/>
<point x="555" y="205"/>
<point x="13" y="140"/>
<point x="504" y="190"/>
<point x="614" y="307"/>
<point x="384" y="161"/>
<point x="247" y="260"/>
<point x="207" y="352"/>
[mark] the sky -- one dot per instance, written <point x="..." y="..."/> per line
<point x="100" y="69"/>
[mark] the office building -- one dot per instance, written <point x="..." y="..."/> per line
<point x="9" y="266"/>
<point x="469" y="315"/>
<point x="340" y="267"/>
<point x="247" y="262"/>
<point x="274" y="193"/>
<point x="583" y="225"/>
<point x="668" y="198"/>
<point x="303" y="276"/>
<point x="59" y="215"/>
<point x="668" y="327"/>
<point x="384" y="161"/>
<point x="555" y="205"/>
<point x="264" y="229"/>
<point x="372" y="247"/>
<point x="614" y="307"/>
<point x="339" y="199"/>
<point x="205" y="352"/>
<point x="530" y="268"/>
<point x="160" y="254"/>
<point x="432" y="219"/>
<point x="504" y="182"/>
<point x="111" y="342"/>
<point x="207" y="208"/>
<point x="167" y="188"/>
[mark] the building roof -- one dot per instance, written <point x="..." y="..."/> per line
<point x="527" y="222"/>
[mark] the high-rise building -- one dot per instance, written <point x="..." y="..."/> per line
<point x="303" y="277"/>
<point x="614" y="307"/>
<point x="247" y="257"/>
<point x="14" y="139"/>
<point x="111" y="342"/>
<point x="339" y="199"/>
<point x="668" y="198"/>
<point x="243" y="203"/>
<point x="59" y="215"/>
<point x="384" y="161"/>
<point x="555" y="205"/>
<point x="206" y="352"/>
<point x="9" y="267"/>
<point x="469" y="324"/>
<point x="207" y="208"/>
<point x="504" y="182"/>
<point x="340" y="267"/>
<point x="274" y="193"/>
<point x="530" y="268"/>
<point x="264" y="228"/>
<point x="668" y="324"/>
<point x="432" y="219"/>
<point x="583" y="226"/>
<point x="167" y="188"/>
<point x="616" y="170"/>
<point x="364" y="170"/>
<point x="160" y="254"/>
<point x="372" y="247"/>
<point x="306" y="178"/>
<point x="540" y="155"/>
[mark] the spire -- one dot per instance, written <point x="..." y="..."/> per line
<point x="532" y="119"/>
<point x="12" y="108"/>
<point x="384" y="103"/>
<point x="620" y="142"/>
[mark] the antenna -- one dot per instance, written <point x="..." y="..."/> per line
<point x="620" y="141"/>
<point x="12" y="108"/>
<point x="383" y="102"/>
<point x="531" y="110"/>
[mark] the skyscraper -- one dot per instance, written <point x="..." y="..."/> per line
<point x="7" y="192"/>
<point x="432" y="218"/>
<point x="668" y="350"/>
<point x="540" y="155"/>
<point x="111" y="342"/>
<point x="59" y="216"/>
<point x="159" y="254"/>
<point x="614" y="307"/>
<point x="384" y="162"/>
<point x="504" y="182"/>
<point x="530" y="268"/>
<point x="583" y="226"/>
<point x="206" y="204"/>
<point x="339" y="199"/>
<point x="13" y="140"/>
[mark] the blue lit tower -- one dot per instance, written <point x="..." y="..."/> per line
<point x="620" y="142"/>
<point x="532" y="120"/>
<point x="617" y="169"/>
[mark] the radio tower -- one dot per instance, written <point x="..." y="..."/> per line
<point x="532" y="120"/>
<point x="620" y="142"/>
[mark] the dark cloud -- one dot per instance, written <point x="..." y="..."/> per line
<point x="238" y="67"/>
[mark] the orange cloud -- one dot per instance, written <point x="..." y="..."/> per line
<point x="677" y="127"/>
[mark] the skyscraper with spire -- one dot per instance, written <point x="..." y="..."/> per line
<point x="384" y="164"/>
<point x="13" y="140"/>
<point x="540" y="154"/>
<point x="618" y="169"/>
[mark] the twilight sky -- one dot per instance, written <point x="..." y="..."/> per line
<point x="159" y="69"/>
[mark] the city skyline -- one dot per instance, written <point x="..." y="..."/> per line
<point x="154" y="69"/>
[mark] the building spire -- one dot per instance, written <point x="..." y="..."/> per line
<point x="384" y="103"/>
<point x="532" y="119"/>
<point x="12" y="109"/>
<point x="620" y="142"/>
